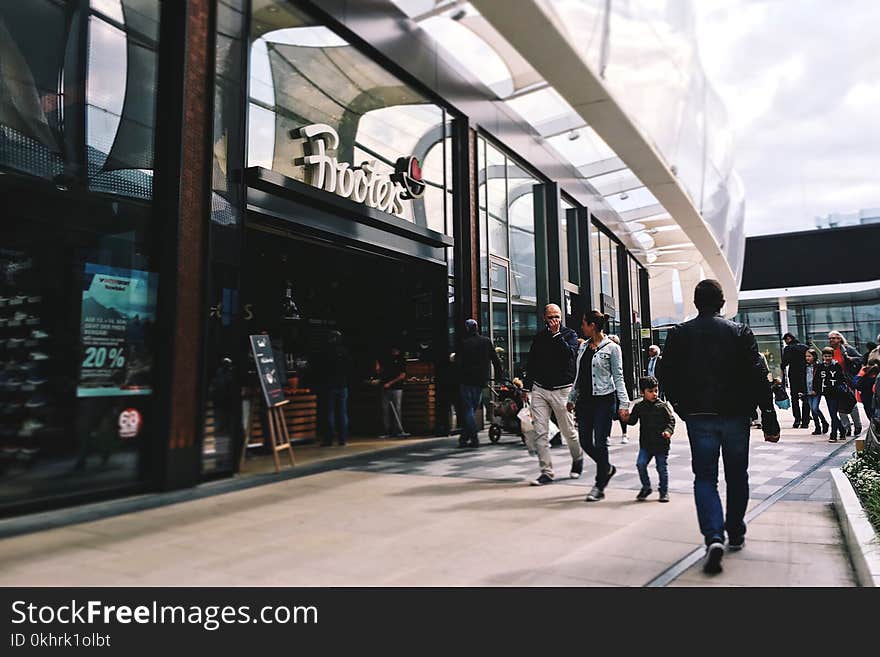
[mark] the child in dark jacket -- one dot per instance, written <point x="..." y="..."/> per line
<point x="827" y="382"/>
<point x="655" y="432"/>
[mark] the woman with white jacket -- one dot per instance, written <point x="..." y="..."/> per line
<point x="598" y="386"/>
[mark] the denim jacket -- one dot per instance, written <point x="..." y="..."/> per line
<point x="607" y="372"/>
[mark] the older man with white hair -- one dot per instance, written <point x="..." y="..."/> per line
<point x="549" y="377"/>
<point x="653" y="360"/>
<point x="851" y="361"/>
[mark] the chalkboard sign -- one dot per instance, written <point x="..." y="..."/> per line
<point x="267" y="370"/>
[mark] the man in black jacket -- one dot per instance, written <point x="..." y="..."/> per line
<point x="714" y="377"/>
<point x="473" y="358"/>
<point x="794" y="357"/>
<point x="549" y="376"/>
<point x="333" y="369"/>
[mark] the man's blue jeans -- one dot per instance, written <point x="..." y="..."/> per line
<point x="710" y="435"/>
<point x="471" y="396"/>
<point x="661" y="462"/>
<point x="337" y="413"/>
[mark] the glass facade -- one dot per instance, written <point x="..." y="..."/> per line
<point x="79" y="255"/>
<point x="858" y="321"/>
<point x="606" y="286"/>
<point x="302" y="74"/>
<point x="508" y="270"/>
<point x="85" y="232"/>
<point x="222" y="409"/>
<point x="638" y="348"/>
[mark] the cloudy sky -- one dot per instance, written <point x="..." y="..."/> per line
<point x="801" y="80"/>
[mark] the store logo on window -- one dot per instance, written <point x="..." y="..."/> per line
<point x="408" y="174"/>
<point x="363" y="183"/>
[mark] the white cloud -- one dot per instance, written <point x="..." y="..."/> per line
<point x="800" y="80"/>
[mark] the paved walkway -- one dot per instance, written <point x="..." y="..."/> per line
<point x="442" y="516"/>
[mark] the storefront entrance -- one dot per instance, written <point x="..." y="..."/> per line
<point x="299" y="291"/>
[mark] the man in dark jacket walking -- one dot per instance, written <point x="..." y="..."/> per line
<point x="473" y="358"/>
<point x="714" y="377"/>
<point x="794" y="357"/>
<point x="549" y="376"/>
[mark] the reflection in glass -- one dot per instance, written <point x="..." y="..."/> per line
<point x="304" y="74"/>
<point x="80" y="113"/>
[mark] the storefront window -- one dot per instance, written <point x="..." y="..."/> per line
<point x="79" y="254"/>
<point x="104" y="144"/>
<point x="858" y="321"/>
<point x="524" y="296"/>
<point x="596" y="261"/>
<point x="507" y="218"/>
<point x="302" y="74"/>
<point x="222" y="412"/>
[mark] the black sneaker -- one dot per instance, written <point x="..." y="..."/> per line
<point x="543" y="480"/>
<point x="664" y="496"/>
<point x="577" y="468"/>
<point x="848" y="432"/>
<point x="462" y="442"/>
<point x="816" y="432"/>
<point x="595" y="495"/>
<point x="737" y="543"/>
<point x="857" y="433"/>
<point x="833" y="439"/>
<point x="643" y="494"/>
<point x="796" y="425"/>
<point x="611" y="473"/>
<point x="714" y="553"/>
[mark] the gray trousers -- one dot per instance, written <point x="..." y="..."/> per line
<point x="392" y="408"/>
<point x="544" y="401"/>
<point x="856" y="419"/>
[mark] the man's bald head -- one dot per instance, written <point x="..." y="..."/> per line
<point x="551" y="310"/>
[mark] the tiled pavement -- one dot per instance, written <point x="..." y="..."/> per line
<point x="441" y="516"/>
<point x="771" y="465"/>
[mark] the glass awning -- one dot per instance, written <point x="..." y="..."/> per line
<point x="487" y="56"/>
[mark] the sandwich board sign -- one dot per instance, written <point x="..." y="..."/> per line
<point x="267" y="370"/>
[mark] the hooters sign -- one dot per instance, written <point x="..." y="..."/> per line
<point x="364" y="183"/>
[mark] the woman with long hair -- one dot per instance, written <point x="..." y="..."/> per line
<point x="597" y="388"/>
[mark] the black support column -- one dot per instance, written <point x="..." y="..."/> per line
<point x="645" y="292"/>
<point x="585" y="259"/>
<point x="464" y="221"/>
<point x="549" y="275"/>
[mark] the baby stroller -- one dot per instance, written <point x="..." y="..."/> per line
<point x="507" y="402"/>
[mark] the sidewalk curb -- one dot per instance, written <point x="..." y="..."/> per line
<point x="862" y="541"/>
<point x="65" y="517"/>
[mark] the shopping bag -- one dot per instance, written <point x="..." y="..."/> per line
<point x="525" y="418"/>
<point x="784" y="404"/>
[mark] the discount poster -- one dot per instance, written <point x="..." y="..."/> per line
<point x="117" y="330"/>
